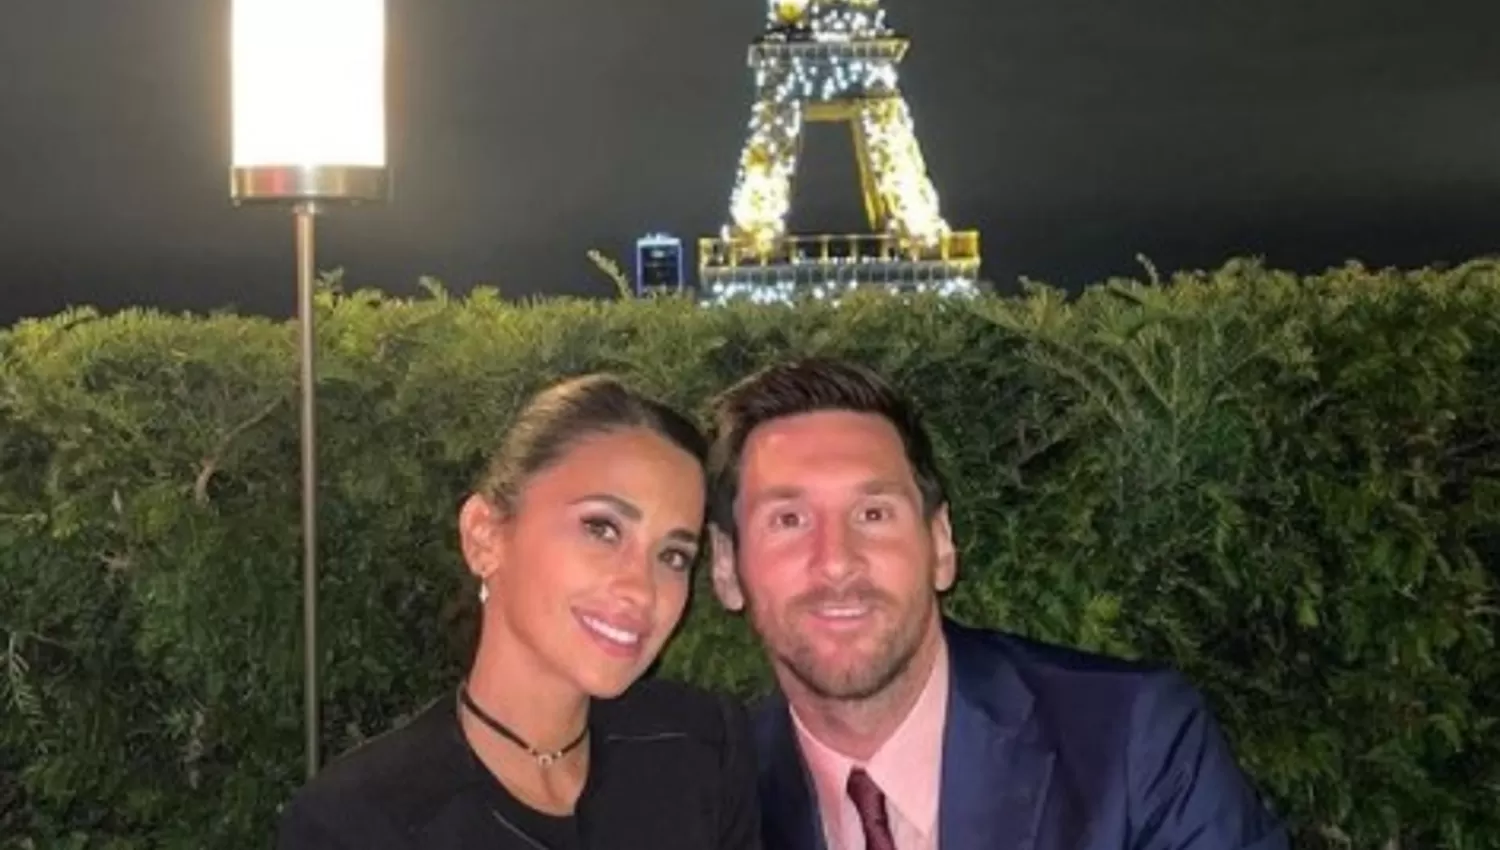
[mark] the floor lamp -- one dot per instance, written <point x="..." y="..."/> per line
<point x="309" y="91"/>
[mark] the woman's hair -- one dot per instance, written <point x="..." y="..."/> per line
<point x="559" y="417"/>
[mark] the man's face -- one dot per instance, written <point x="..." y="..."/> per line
<point x="836" y="563"/>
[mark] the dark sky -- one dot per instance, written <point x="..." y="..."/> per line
<point x="524" y="132"/>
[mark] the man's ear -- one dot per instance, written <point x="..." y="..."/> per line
<point x="726" y="578"/>
<point x="479" y="531"/>
<point x="945" y="553"/>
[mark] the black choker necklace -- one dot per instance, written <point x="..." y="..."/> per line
<point x="543" y="759"/>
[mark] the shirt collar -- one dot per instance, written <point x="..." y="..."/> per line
<point x="907" y="767"/>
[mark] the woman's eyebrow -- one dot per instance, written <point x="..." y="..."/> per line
<point x="626" y="509"/>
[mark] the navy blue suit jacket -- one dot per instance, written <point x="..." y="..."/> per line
<point x="1048" y="748"/>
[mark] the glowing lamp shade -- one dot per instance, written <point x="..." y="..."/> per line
<point x="308" y="97"/>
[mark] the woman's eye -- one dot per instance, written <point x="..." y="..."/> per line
<point x="602" y="529"/>
<point x="677" y="559"/>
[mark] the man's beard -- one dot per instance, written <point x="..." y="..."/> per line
<point x="857" y="679"/>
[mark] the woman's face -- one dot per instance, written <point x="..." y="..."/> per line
<point x="591" y="571"/>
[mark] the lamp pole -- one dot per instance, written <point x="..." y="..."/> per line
<point x="309" y="133"/>
<point x="304" y="213"/>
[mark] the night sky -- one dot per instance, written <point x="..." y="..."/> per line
<point x="1073" y="135"/>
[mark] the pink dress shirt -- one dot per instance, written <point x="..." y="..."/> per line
<point x="908" y="768"/>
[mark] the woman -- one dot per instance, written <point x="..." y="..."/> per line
<point x="583" y="535"/>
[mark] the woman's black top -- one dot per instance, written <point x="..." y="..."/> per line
<point x="670" y="767"/>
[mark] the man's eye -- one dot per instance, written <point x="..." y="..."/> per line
<point x="786" y="520"/>
<point x="602" y="529"/>
<point x="875" y="514"/>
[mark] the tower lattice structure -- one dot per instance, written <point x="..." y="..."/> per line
<point x="833" y="61"/>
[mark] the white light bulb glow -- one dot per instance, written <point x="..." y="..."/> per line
<point x="308" y="83"/>
<point x="787" y="11"/>
<point x="727" y="292"/>
<point x="830" y="20"/>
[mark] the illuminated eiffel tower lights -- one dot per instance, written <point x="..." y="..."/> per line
<point x="833" y="61"/>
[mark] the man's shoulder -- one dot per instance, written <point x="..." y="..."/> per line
<point x="1044" y="664"/>
<point x="1141" y="727"/>
<point x="1106" y="695"/>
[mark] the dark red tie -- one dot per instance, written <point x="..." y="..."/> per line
<point x="870" y="803"/>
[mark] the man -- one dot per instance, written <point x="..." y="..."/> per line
<point x="896" y="729"/>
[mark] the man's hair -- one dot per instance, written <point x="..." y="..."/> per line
<point x="810" y="385"/>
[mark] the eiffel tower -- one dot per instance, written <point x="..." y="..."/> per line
<point x="833" y="61"/>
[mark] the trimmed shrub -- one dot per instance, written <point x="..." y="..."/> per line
<point x="1288" y="487"/>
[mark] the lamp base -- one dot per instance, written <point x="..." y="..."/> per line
<point x="291" y="183"/>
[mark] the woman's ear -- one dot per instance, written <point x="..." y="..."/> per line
<point x="726" y="577"/>
<point x="479" y="532"/>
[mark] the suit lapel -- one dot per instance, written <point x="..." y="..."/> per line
<point x="998" y="763"/>
<point x="790" y="818"/>
<point x="1000" y="788"/>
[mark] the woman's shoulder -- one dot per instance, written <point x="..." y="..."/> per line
<point x="382" y="786"/>
<point x="656" y="706"/>
<point x="679" y="768"/>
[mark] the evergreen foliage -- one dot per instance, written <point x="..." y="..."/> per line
<point x="1288" y="487"/>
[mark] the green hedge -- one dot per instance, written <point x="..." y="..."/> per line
<point x="1287" y="486"/>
